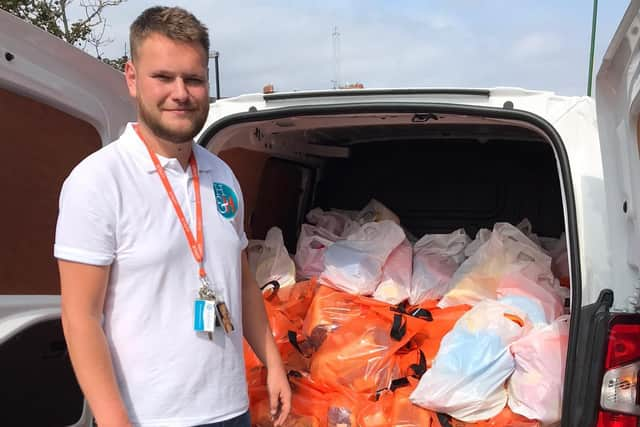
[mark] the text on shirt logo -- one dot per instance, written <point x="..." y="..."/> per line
<point x="226" y="200"/>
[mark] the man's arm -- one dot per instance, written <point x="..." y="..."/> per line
<point x="259" y="336"/>
<point x="83" y="290"/>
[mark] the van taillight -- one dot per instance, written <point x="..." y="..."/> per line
<point x="620" y="398"/>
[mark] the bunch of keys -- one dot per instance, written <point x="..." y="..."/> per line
<point x="221" y="311"/>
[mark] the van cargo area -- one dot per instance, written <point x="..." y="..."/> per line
<point x="438" y="173"/>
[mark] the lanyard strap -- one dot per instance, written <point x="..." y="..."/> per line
<point x="196" y="244"/>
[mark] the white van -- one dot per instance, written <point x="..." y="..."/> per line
<point x="440" y="158"/>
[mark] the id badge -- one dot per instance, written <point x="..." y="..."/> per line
<point x="204" y="315"/>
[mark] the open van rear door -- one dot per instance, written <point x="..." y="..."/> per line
<point x="601" y="387"/>
<point x="57" y="105"/>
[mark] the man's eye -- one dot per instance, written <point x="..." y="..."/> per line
<point x="194" y="81"/>
<point x="162" y="78"/>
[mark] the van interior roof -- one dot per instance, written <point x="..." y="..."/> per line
<point x="307" y="135"/>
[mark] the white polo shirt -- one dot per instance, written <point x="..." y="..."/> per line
<point x="115" y="211"/>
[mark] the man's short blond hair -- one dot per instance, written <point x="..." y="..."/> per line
<point x="174" y="23"/>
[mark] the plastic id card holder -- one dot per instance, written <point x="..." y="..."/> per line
<point x="204" y="315"/>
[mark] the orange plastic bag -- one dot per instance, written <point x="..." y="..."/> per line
<point x="345" y="407"/>
<point x="256" y="377"/>
<point x="377" y="413"/>
<point x="309" y="398"/>
<point x="250" y="359"/>
<point x="393" y="408"/>
<point x="331" y="309"/>
<point x="260" y="417"/>
<point x="287" y="307"/>
<point x="361" y="355"/>
<point x="406" y="414"/>
<point x="259" y="401"/>
<point x="292" y="357"/>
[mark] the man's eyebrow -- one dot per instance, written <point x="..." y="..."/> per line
<point x="193" y="76"/>
<point x="162" y="72"/>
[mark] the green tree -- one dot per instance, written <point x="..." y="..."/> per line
<point x="53" y="16"/>
<point x="117" y="63"/>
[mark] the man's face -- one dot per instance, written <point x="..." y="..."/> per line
<point x="169" y="81"/>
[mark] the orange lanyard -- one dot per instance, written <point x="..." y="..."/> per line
<point x="197" y="246"/>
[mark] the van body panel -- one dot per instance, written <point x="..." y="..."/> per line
<point x="38" y="65"/>
<point x="617" y="90"/>
<point x="58" y="105"/>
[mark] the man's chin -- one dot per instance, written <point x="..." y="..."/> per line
<point x="183" y="130"/>
<point x="176" y="128"/>
<point x="178" y="136"/>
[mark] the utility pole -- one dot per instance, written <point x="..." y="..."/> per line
<point x="336" y="58"/>
<point x="215" y="55"/>
<point x="593" y="45"/>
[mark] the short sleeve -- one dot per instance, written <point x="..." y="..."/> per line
<point x="85" y="230"/>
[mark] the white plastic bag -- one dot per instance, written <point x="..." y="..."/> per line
<point x="467" y="378"/>
<point x="535" y="388"/>
<point x="507" y="250"/>
<point x="533" y="308"/>
<point x="482" y="236"/>
<point x="396" y="275"/>
<point x="355" y="264"/>
<point x="436" y="257"/>
<point x="376" y="211"/>
<point x="336" y="223"/>
<point x="527" y="229"/>
<point x="312" y="244"/>
<point x="560" y="258"/>
<point x="468" y="374"/>
<point x="274" y="262"/>
<point x="534" y="283"/>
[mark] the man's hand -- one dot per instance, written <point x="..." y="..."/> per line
<point x="279" y="396"/>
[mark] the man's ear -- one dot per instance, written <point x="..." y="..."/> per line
<point x="130" y="77"/>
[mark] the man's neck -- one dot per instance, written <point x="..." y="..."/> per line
<point x="164" y="148"/>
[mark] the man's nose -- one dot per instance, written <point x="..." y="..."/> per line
<point x="180" y="92"/>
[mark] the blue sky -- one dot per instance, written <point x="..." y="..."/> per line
<point x="456" y="43"/>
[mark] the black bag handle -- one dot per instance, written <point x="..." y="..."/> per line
<point x="274" y="283"/>
<point x="422" y="313"/>
<point x="398" y="382"/>
<point x="419" y="368"/>
<point x="293" y="339"/>
<point x="395" y="384"/>
<point x="399" y="327"/>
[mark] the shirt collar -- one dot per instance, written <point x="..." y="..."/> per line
<point x="135" y="146"/>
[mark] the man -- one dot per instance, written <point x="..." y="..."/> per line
<point x="150" y="231"/>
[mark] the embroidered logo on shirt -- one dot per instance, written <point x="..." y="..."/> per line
<point x="226" y="200"/>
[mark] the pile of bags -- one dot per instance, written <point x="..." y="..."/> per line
<point x="378" y="328"/>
